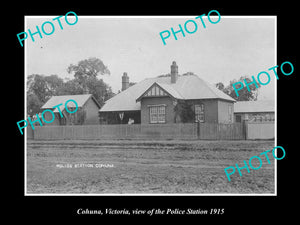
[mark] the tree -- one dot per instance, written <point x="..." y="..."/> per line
<point x="70" y="87"/>
<point x="39" y="89"/>
<point x="184" y="110"/>
<point x="132" y="83"/>
<point x="33" y="104"/>
<point x="53" y="83"/>
<point x="43" y="86"/>
<point x="86" y="81"/>
<point x="88" y="68"/>
<point x="188" y="74"/>
<point x="100" y="90"/>
<point x="164" y="75"/>
<point x="244" y="94"/>
<point x="36" y="85"/>
<point x="220" y="86"/>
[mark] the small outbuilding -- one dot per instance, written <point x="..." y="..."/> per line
<point x="87" y="112"/>
<point x="254" y="111"/>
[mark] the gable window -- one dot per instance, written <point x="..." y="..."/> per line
<point x="199" y="113"/>
<point x="157" y="114"/>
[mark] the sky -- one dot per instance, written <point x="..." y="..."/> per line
<point x="234" y="47"/>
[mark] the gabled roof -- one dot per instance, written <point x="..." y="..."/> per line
<point x="186" y="87"/>
<point x="254" y="106"/>
<point x="171" y="90"/>
<point x="56" y="100"/>
<point x="168" y="89"/>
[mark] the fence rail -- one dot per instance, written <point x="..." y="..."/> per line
<point x="122" y="131"/>
<point x="204" y="131"/>
<point x="219" y="131"/>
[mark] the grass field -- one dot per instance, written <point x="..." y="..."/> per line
<point x="146" y="167"/>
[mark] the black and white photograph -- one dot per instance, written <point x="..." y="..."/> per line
<point x="119" y="108"/>
<point x="186" y="112"/>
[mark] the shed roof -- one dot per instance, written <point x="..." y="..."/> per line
<point x="56" y="100"/>
<point x="186" y="87"/>
<point x="254" y="106"/>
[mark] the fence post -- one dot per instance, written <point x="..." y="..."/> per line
<point x="198" y="129"/>
<point x="33" y="134"/>
<point x="245" y="127"/>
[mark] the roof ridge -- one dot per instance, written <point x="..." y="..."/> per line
<point x="208" y="85"/>
<point x="215" y="89"/>
<point x="53" y="100"/>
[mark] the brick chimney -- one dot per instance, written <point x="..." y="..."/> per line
<point x="125" y="81"/>
<point x="174" y="72"/>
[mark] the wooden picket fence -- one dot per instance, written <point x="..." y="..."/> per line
<point x="260" y="130"/>
<point x="219" y="131"/>
<point x="204" y="131"/>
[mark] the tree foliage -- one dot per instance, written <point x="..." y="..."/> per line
<point x="33" y="104"/>
<point x="40" y="88"/>
<point x="184" y="111"/>
<point x="43" y="86"/>
<point x="88" y="68"/>
<point x="244" y="94"/>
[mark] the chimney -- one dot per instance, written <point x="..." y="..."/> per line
<point x="125" y="81"/>
<point x="174" y="72"/>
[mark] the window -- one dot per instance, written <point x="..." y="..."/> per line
<point x="157" y="114"/>
<point x="199" y="113"/>
<point x="238" y="118"/>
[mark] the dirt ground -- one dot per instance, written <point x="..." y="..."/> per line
<point x="146" y="167"/>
